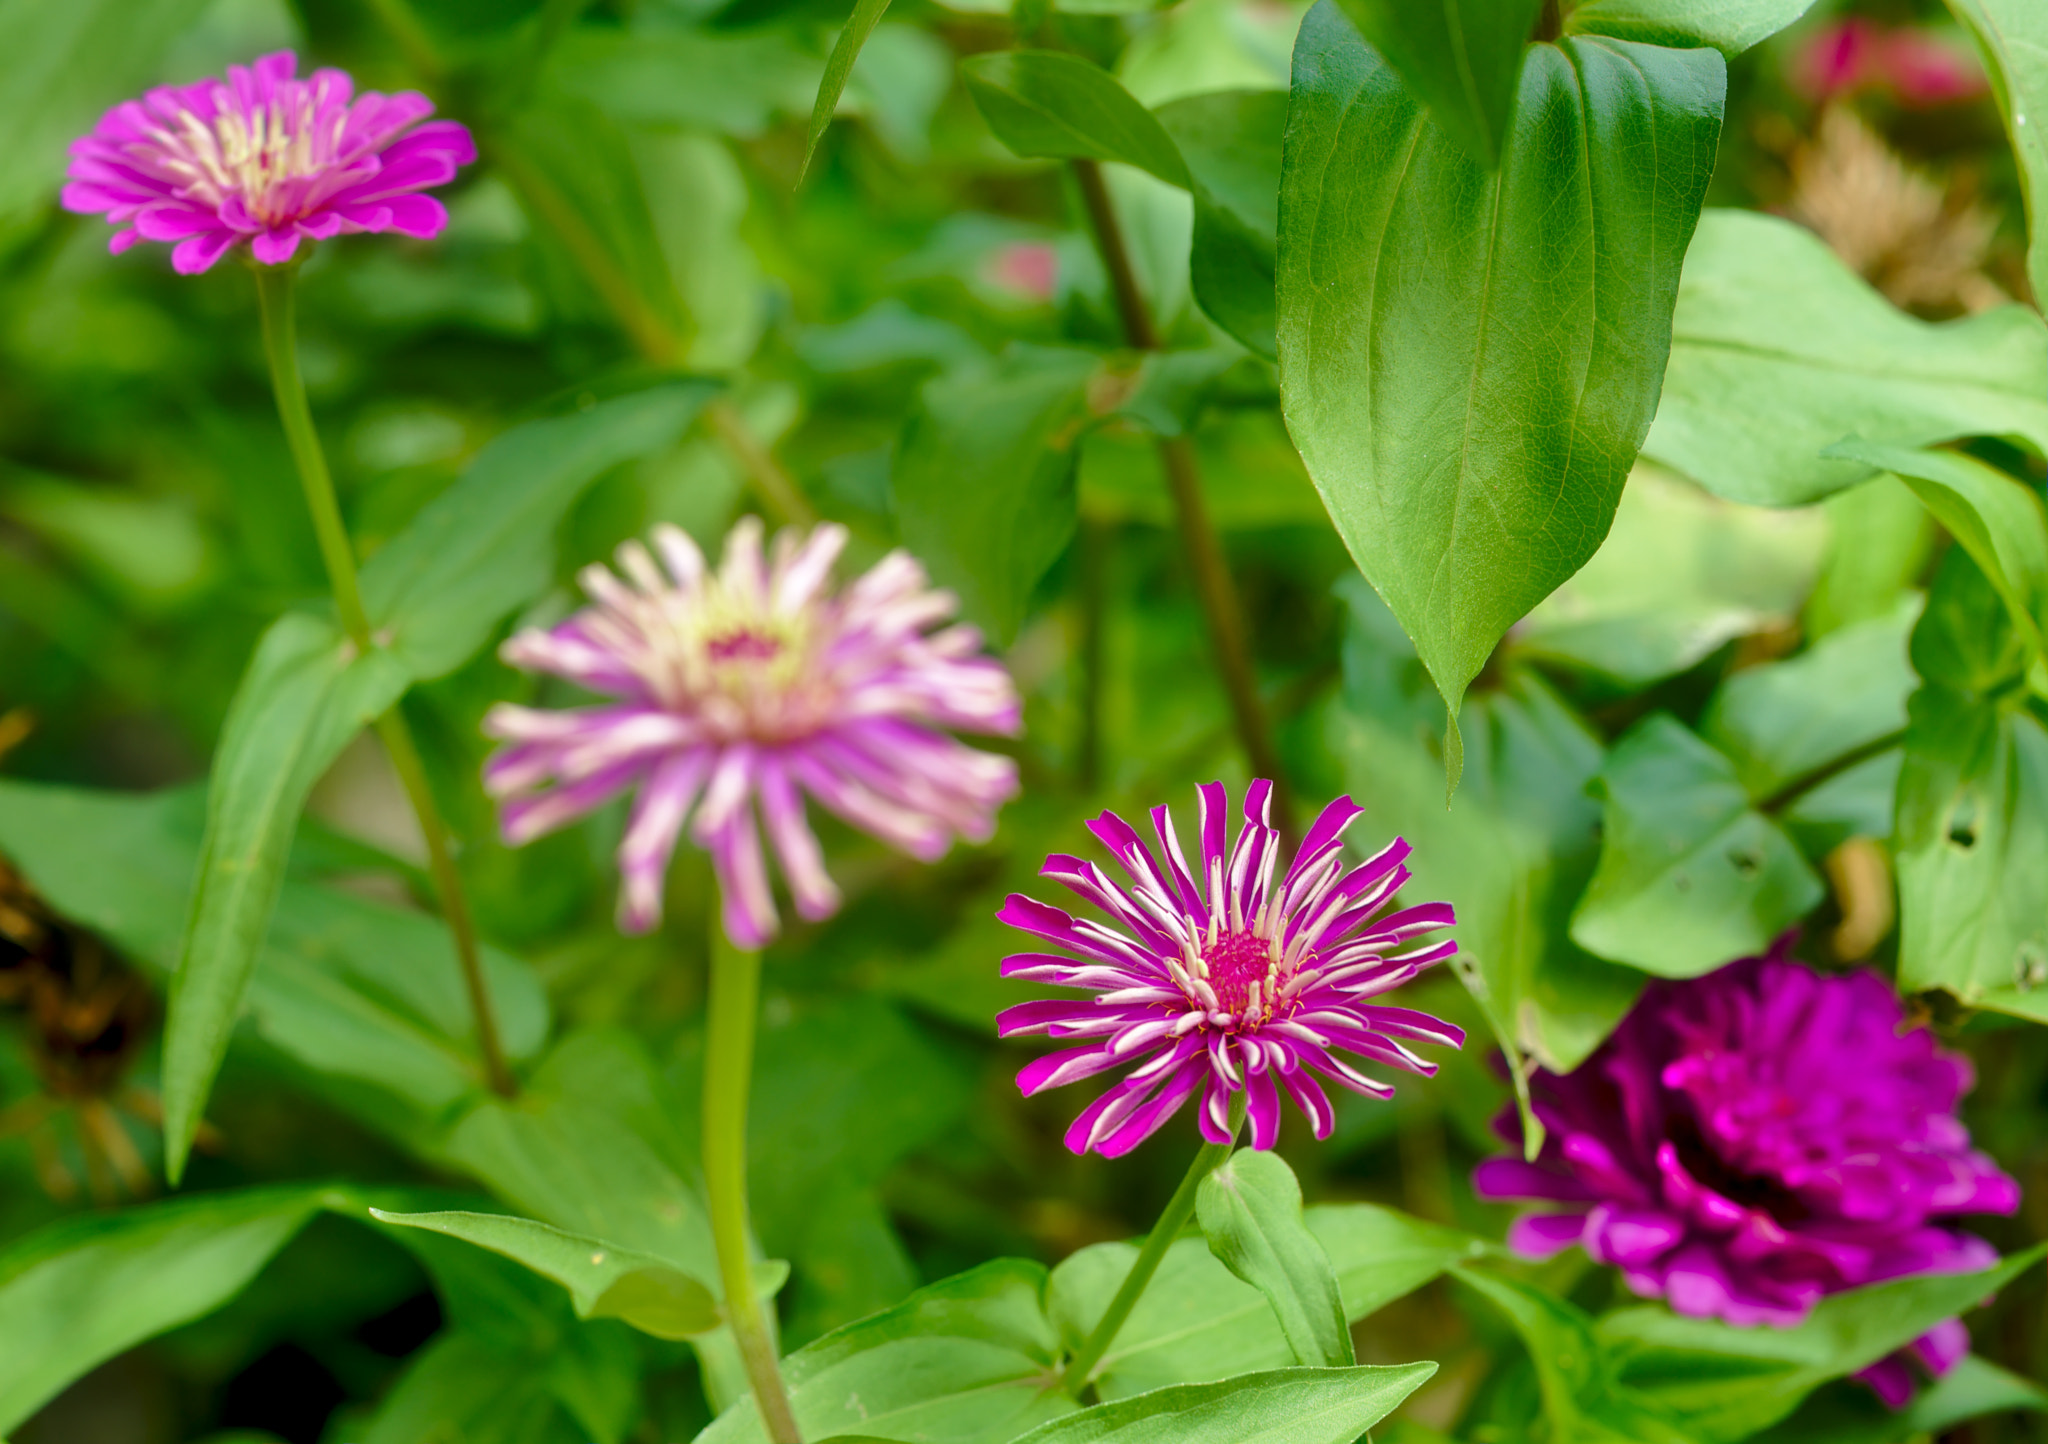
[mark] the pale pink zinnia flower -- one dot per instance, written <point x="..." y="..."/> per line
<point x="1217" y="979"/>
<point x="757" y="683"/>
<point x="265" y="158"/>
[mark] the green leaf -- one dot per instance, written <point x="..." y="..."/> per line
<point x="1250" y="1209"/>
<point x="61" y="66"/>
<point x="1582" y="1397"/>
<point x="1514" y="850"/>
<point x="588" y="1147"/>
<point x="838" y="66"/>
<point x="1681" y="574"/>
<point x="1997" y="518"/>
<point x="603" y="1280"/>
<point x="2012" y="38"/>
<point x="434" y="594"/>
<point x="969" y="1360"/>
<point x="1973" y="851"/>
<point x="304" y="697"/>
<point x="1231" y="142"/>
<point x="357" y="991"/>
<point x="1050" y="103"/>
<point x="1284" y="1406"/>
<point x="1691" y="875"/>
<point x="1730" y="26"/>
<point x="1779" y="350"/>
<point x="1728" y="1382"/>
<point x="1197" y="1321"/>
<point x="81" y="1291"/>
<point x="1851" y="1414"/>
<point x="485" y="547"/>
<point x="1461" y="58"/>
<point x="737" y="82"/>
<point x="984" y="478"/>
<point x="1879" y="541"/>
<point x="1468" y="361"/>
<point x="1788" y="720"/>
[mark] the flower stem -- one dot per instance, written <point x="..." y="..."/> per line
<point x="1204" y="550"/>
<point x="728" y="1071"/>
<point x="1172" y="1219"/>
<point x="274" y="289"/>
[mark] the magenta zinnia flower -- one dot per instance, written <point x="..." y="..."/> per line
<point x="757" y="684"/>
<point x="1752" y="1140"/>
<point x="1230" y="984"/>
<point x="265" y="158"/>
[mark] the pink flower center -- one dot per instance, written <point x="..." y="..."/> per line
<point x="743" y="644"/>
<point x="1244" y="974"/>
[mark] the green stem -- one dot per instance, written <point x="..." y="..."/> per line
<point x="1800" y="786"/>
<point x="1207" y="567"/>
<point x="280" y="346"/>
<point x="728" y="1071"/>
<point x="1172" y="1219"/>
<point x="274" y="289"/>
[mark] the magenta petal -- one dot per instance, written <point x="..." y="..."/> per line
<point x="197" y="254"/>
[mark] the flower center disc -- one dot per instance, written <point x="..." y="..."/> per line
<point x="1238" y="962"/>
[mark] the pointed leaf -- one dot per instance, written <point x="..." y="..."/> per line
<point x="1779" y="350"/>
<point x="1850" y="1414"/>
<point x="1729" y="1382"/>
<point x="1285" y="1406"/>
<point x="1460" y="58"/>
<point x="78" y="1292"/>
<point x="603" y="1280"/>
<point x="838" y="66"/>
<point x="1690" y="874"/>
<point x="2012" y="37"/>
<point x="1231" y="142"/>
<point x="970" y="1359"/>
<point x="1730" y="26"/>
<point x="1468" y="361"/>
<point x="1250" y="1209"/>
<point x="1997" y="518"/>
<point x="1050" y="103"/>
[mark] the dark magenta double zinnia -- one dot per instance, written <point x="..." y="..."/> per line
<point x="1213" y="979"/>
<point x="1753" y="1140"/>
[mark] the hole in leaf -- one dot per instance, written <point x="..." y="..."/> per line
<point x="1745" y="862"/>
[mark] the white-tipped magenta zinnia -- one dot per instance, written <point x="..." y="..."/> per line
<point x="757" y="683"/>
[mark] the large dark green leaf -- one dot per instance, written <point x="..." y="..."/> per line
<point x="1460" y="58"/>
<point x="1730" y="26"/>
<point x="1197" y="1321"/>
<point x="1286" y="1406"/>
<point x="1469" y="361"/>
<point x="1050" y="103"/>
<point x="984" y="477"/>
<point x="1726" y="1383"/>
<point x="79" y="1292"/>
<point x="1779" y="350"/>
<point x="462" y="1386"/>
<point x="1691" y="875"/>
<point x="1250" y="1210"/>
<point x="2012" y="37"/>
<point x="60" y="67"/>
<point x="1231" y="142"/>
<point x="969" y="1360"/>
